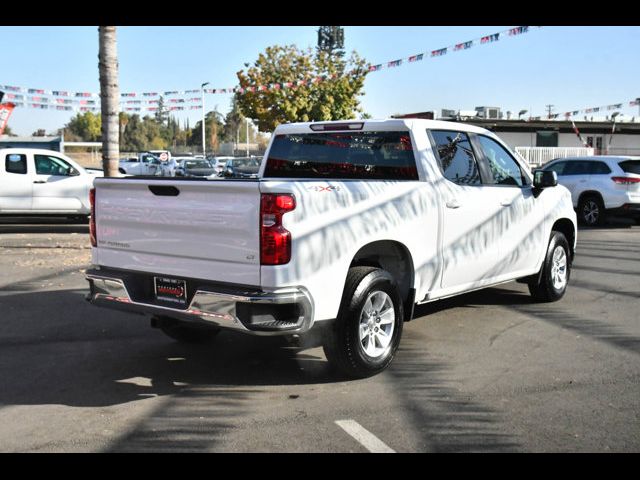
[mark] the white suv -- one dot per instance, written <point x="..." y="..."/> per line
<point x="601" y="185"/>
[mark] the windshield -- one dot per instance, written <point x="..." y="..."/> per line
<point x="196" y="164"/>
<point x="245" y="162"/>
<point x="357" y="155"/>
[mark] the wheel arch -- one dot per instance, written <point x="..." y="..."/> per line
<point x="594" y="193"/>
<point x="568" y="229"/>
<point x="392" y="256"/>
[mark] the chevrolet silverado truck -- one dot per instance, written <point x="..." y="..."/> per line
<point x="348" y="226"/>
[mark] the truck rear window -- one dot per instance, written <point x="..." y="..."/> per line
<point x="343" y="155"/>
<point x="631" y="166"/>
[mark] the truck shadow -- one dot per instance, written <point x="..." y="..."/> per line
<point x="57" y="349"/>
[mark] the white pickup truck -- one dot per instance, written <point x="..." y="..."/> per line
<point x="346" y="228"/>
<point x="44" y="182"/>
<point x="145" y="163"/>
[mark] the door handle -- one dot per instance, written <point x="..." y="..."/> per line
<point x="453" y="203"/>
<point x="505" y="203"/>
<point x="39" y="181"/>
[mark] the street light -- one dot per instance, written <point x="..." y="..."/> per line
<point x="204" y="152"/>
<point x="521" y="112"/>
<point x="247" y="137"/>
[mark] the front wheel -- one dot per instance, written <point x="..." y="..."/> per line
<point x="364" y="338"/>
<point x="551" y="284"/>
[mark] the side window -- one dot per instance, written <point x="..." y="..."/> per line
<point x="16" y="163"/>
<point x="577" y="167"/>
<point x="557" y="167"/>
<point x="456" y="158"/>
<point x="598" y="168"/>
<point x="48" y="165"/>
<point x="504" y="168"/>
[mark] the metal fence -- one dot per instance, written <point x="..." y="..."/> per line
<point x="538" y="156"/>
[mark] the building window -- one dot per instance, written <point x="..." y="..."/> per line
<point x="546" y="139"/>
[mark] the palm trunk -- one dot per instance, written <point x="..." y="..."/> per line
<point x="109" y="100"/>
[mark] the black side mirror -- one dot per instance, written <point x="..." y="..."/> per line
<point x="544" y="178"/>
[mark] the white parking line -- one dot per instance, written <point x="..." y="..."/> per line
<point x="367" y="439"/>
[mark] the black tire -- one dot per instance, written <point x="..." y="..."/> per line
<point x="341" y="343"/>
<point x="185" y="332"/>
<point x="545" y="289"/>
<point x="591" y="210"/>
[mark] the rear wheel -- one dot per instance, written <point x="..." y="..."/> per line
<point x="591" y="210"/>
<point x="364" y="338"/>
<point x="184" y="332"/>
<point x="551" y="284"/>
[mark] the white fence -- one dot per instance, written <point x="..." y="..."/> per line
<point x="538" y="156"/>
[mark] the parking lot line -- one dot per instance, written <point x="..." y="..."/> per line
<point x="367" y="439"/>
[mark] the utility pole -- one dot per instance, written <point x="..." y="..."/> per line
<point x="247" y="137"/>
<point x="549" y="108"/>
<point x="204" y="152"/>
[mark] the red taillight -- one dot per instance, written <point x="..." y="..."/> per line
<point x="625" y="180"/>
<point x="275" y="240"/>
<point x="92" y="222"/>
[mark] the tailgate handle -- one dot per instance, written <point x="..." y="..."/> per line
<point x="164" y="191"/>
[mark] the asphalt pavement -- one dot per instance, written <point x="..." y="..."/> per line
<point x="488" y="371"/>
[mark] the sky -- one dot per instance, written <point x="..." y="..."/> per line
<point x="569" y="67"/>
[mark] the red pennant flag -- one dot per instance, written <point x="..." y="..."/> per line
<point x="5" y="112"/>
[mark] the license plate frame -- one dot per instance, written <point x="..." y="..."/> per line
<point x="170" y="290"/>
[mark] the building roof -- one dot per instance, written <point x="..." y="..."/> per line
<point x="9" y="138"/>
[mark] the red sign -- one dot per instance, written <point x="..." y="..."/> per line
<point x="5" y="113"/>
<point x="164" y="156"/>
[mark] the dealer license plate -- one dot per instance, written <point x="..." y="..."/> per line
<point x="171" y="290"/>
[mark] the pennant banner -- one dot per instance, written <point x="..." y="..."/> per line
<point x="274" y="86"/>
<point x="613" y="106"/>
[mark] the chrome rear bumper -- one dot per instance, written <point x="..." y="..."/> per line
<point x="236" y="310"/>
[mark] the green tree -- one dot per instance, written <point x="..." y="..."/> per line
<point x="330" y="99"/>
<point x="161" y="113"/>
<point x="233" y="122"/>
<point x="85" y="127"/>
<point x="214" y="131"/>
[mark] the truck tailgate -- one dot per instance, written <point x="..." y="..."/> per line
<point x="194" y="229"/>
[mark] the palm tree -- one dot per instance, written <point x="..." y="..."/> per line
<point x="109" y="100"/>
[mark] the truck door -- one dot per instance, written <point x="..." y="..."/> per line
<point x="58" y="186"/>
<point x="521" y="214"/>
<point x="16" y="183"/>
<point x="470" y="229"/>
